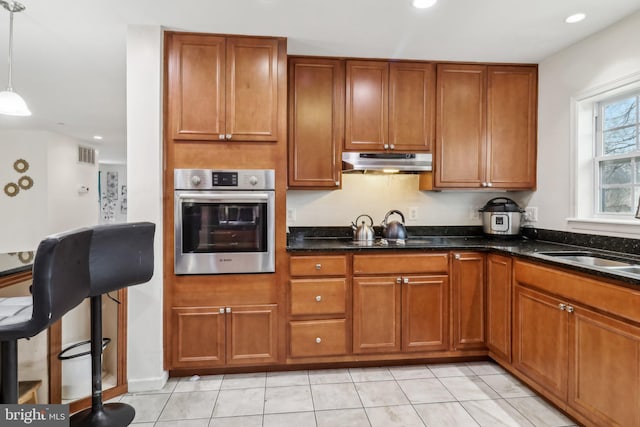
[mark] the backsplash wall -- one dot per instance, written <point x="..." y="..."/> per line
<point x="377" y="194"/>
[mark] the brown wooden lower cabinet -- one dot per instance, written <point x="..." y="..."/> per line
<point x="498" y="283"/>
<point x="318" y="338"/>
<point x="400" y="313"/>
<point x="587" y="359"/>
<point x="219" y="335"/>
<point x="540" y="339"/>
<point x="468" y="300"/>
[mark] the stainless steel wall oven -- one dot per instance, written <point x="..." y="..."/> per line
<point x="224" y="221"/>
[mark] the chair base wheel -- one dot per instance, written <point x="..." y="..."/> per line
<point x="110" y="415"/>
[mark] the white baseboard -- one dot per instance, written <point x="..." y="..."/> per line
<point x="148" y="384"/>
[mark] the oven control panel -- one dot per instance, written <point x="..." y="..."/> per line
<point x="223" y="179"/>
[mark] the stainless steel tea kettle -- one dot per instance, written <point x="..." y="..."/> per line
<point x="394" y="230"/>
<point x="362" y="231"/>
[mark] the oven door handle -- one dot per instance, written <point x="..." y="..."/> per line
<point x="257" y="196"/>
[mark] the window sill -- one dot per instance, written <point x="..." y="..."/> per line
<point x="609" y="227"/>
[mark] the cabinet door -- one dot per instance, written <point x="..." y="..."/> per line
<point x="459" y="159"/>
<point x="604" y="369"/>
<point x="252" y="89"/>
<point x="252" y="334"/>
<point x="198" y="339"/>
<point x="316" y="122"/>
<point x="411" y="106"/>
<point x="499" y="306"/>
<point x="195" y="79"/>
<point x="467" y="290"/>
<point x="425" y="313"/>
<point x="511" y="126"/>
<point x="540" y="339"/>
<point x="376" y="314"/>
<point x="367" y="105"/>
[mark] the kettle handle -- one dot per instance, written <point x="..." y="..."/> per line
<point x="370" y="220"/>
<point x="391" y="213"/>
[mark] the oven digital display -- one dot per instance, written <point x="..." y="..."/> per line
<point x="224" y="179"/>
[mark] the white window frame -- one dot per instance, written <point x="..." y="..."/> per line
<point x="584" y="168"/>
<point x="601" y="157"/>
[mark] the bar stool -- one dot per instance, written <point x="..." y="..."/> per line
<point x="121" y="255"/>
<point x="60" y="283"/>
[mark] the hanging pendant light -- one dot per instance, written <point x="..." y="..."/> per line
<point x="11" y="103"/>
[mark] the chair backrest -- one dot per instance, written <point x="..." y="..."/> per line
<point x="121" y="255"/>
<point x="60" y="278"/>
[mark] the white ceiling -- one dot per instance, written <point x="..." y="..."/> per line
<point x="69" y="55"/>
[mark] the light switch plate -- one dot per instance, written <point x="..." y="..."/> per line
<point x="531" y="214"/>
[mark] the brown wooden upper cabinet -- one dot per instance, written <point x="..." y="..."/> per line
<point x="316" y="122"/>
<point x="389" y="106"/>
<point x="222" y="88"/>
<point x="486" y="124"/>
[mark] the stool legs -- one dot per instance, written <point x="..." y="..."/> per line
<point x="100" y="415"/>
<point x="9" y="371"/>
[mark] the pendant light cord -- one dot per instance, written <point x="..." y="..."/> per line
<point x="10" y="84"/>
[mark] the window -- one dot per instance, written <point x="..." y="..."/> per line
<point x="617" y="160"/>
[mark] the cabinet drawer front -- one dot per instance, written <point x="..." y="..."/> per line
<point x="318" y="338"/>
<point x="403" y="264"/>
<point x="324" y="265"/>
<point x="318" y="296"/>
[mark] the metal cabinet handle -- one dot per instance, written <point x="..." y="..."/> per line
<point x="489" y="184"/>
<point x="392" y="146"/>
<point x="483" y="184"/>
<point x="386" y="146"/>
<point x="318" y="266"/>
<point x="562" y="307"/>
<point x="228" y="136"/>
<point x="221" y="136"/>
<point x="337" y="183"/>
<point x="398" y="280"/>
<point x="221" y="310"/>
<point x="228" y="310"/>
<point x="318" y="340"/>
<point x="405" y="280"/>
<point x="570" y="309"/>
<point x="457" y="256"/>
<point x="318" y="298"/>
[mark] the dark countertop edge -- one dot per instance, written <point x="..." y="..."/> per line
<point x="509" y="247"/>
<point x="12" y="271"/>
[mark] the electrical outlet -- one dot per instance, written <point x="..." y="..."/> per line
<point x="531" y="214"/>
<point x="413" y="213"/>
<point x="291" y="215"/>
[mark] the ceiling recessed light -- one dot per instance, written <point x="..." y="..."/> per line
<point x="97" y="137"/>
<point x="576" y="17"/>
<point x="423" y="4"/>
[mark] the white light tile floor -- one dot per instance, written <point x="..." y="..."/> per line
<point x="446" y="395"/>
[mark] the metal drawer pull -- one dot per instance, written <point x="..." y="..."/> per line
<point x="318" y="298"/>
<point x="221" y="136"/>
<point x="221" y="310"/>
<point x="562" y="306"/>
<point x="405" y="280"/>
<point x="228" y="310"/>
<point x="229" y="136"/>
<point x="318" y="340"/>
<point x="569" y="309"/>
<point x="398" y="279"/>
<point x="318" y="266"/>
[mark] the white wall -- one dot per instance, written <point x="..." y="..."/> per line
<point x="23" y="220"/>
<point x="144" y="173"/>
<point x="377" y="194"/>
<point x="600" y="59"/>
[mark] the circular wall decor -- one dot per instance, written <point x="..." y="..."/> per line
<point x="11" y="189"/>
<point x="25" y="257"/>
<point x="21" y="165"/>
<point x="25" y="182"/>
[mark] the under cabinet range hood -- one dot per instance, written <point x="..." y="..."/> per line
<point x="386" y="162"/>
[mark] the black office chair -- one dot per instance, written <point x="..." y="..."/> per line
<point x="60" y="283"/>
<point x="121" y="255"/>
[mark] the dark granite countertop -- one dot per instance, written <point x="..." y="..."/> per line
<point x="304" y="242"/>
